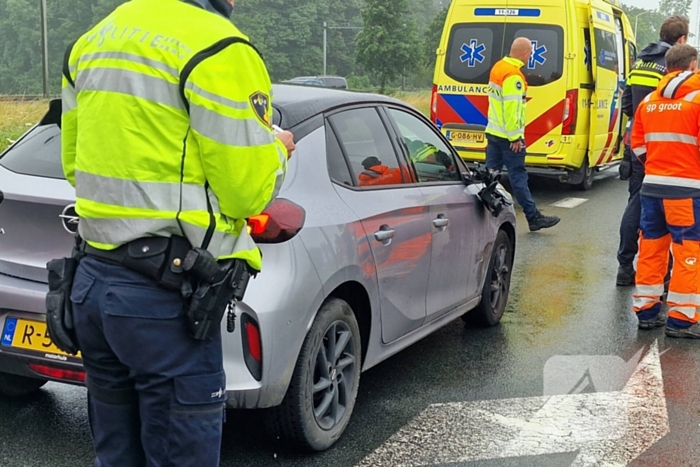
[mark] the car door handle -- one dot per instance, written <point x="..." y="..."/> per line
<point x="441" y="222"/>
<point x="384" y="234"/>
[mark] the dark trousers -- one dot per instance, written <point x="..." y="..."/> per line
<point x="155" y="395"/>
<point x="499" y="154"/>
<point x="629" y="227"/>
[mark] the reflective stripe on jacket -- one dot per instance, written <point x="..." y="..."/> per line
<point x="665" y="136"/>
<point x="507" y="100"/>
<point x="166" y="129"/>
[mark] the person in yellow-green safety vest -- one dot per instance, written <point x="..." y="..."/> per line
<point x="505" y="132"/>
<point x="168" y="140"/>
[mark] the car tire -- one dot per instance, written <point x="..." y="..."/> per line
<point x="321" y="395"/>
<point x="588" y="175"/>
<point x="494" y="295"/>
<point x="18" y="386"/>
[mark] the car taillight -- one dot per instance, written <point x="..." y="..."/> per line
<point x="434" y="104"/>
<point x="252" y="345"/>
<point x="58" y="373"/>
<point x="570" y="113"/>
<point x="281" y="221"/>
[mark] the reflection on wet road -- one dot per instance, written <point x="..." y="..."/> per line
<point x="563" y="303"/>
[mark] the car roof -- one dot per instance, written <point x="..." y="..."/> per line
<point x="299" y="103"/>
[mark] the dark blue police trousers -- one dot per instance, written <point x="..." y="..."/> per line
<point x="155" y="395"/>
<point x="498" y="154"/>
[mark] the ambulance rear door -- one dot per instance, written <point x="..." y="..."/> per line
<point x="606" y="60"/>
<point x="541" y="22"/>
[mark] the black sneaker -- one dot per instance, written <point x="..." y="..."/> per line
<point x="657" y="322"/>
<point x="693" y="332"/>
<point x="625" y="275"/>
<point x="543" y="222"/>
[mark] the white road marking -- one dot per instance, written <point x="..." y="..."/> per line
<point x="569" y="203"/>
<point x="606" y="428"/>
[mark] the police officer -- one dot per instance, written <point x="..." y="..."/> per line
<point x="665" y="138"/>
<point x="645" y="75"/>
<point x="505" y="132"/>
<point x="167" y="139"/>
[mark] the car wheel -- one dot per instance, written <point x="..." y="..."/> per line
<point x="494" y="295"/>
<point x="588" y="174"/>
<point x="321" y="396"/>
<point x="17" y="386"/>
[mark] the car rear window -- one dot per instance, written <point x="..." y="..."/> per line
<point x="336" y="83"/>
<point x="38" y="153"/>
<point x="473" y="49"/>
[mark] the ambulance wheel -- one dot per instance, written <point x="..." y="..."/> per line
<point x="321" y="396"/>
<point x="588" y="174"/>
<point x="18" y="386"/>
<point x="494" y="295"/>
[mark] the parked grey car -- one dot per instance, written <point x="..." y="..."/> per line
<point x="378" y="239"/>
<point x="337" y="82"/>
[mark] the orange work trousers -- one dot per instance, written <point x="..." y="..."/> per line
<point x="669" y="224"/>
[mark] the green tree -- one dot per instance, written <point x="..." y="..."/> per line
<point x="290" y="34"/>
<point x="431" y="39"/>
<point x="387" y="46"/>
<point x="101" y="8"/>
<point x="648" y="24"/>
<point x="675" y="7"/>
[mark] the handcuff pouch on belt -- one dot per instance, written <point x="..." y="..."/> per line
<point x="213" y="288"/>
<point x="157" y="258"/>
<point x="59" y="309"/>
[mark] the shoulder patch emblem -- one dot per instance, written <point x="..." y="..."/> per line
<point x="260" y="101"/>
<point x="519" y="86"/>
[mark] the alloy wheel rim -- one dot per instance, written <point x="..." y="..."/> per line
<point x="334" y="374"/>
<point x="499" y="277"/>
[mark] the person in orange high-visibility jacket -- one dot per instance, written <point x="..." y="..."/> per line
<point x="665" y="137"/>
<point x="376" y="173"/>
<point x="505" y="132"/>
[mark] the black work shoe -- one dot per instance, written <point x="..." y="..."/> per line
<point x="543" y="222"/>
<point x="625" y="275"/>
<point x="693" y="332"/>
<point x="657" y="322"/>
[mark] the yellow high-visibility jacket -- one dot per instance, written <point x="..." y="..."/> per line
<point x="167" y="131"/>
<point x="507" y="100"/>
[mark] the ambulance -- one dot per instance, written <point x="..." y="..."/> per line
<point x="582" y="50"/>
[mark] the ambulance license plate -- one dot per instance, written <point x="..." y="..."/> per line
<point x="465" y="136"/>
<point x="24" y="334"/>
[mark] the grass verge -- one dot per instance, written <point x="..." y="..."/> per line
<point x="16" y="117"/>
<point x="419" y="99"/>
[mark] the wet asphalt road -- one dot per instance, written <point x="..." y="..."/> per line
<point x="563" y="302"/>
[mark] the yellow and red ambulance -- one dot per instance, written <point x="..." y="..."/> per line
<point x="582" y="53"/>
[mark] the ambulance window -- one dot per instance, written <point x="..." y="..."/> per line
<point x="620" y="49"/>
<point x="587" y="52"/>
<point x="547" y="60"/>
<point x="606" y="50"/>
<point x="472" y="51"/>
<point x="633" y="52"/>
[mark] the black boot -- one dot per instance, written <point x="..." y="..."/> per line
<point x="625" y="275"/>
<point x="543" y="222"/>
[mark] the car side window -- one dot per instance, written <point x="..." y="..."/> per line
<point x="432" y="158"/>
<point x="338" y="167"/>
<point x="365" y="144"/>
